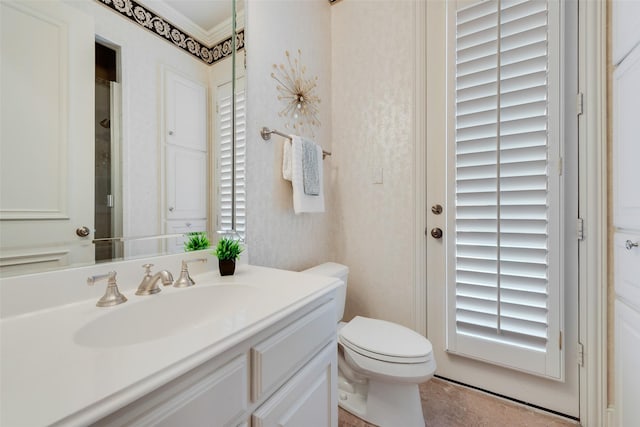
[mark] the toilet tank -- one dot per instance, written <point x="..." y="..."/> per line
<point x="332" y="269"/>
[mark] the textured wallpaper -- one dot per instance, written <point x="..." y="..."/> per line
<point x="276" y="237"/>
<point x="373" y="120"/>
<point x="363" y="53"/>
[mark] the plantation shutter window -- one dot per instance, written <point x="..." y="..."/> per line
<point x="225" y="162"/>
<point x="504" y="246"/>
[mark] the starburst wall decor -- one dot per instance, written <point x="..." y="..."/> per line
<point x="298" y="93"/>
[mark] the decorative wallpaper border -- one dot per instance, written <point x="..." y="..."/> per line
<point x="150" y="21"/>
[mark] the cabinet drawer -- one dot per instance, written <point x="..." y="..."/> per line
<point x="279" y="356"/>
<point x="215" y="394"/>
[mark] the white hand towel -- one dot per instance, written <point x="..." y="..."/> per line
<point x="286" y="159"/>
<point x="301" y="201"/>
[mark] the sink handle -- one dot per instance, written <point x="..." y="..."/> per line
<point x="112" y="295"/>
<point x="185" y="280"/>
<point x="147" y="269"/>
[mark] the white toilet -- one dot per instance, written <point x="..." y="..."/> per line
<point x="380" y="365"/>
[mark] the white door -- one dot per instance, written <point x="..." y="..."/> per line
<point x="502" y="280"/>
<point x="46" y="139"/>
<point x="186" y="148"/>
<point x="626" y="208"/>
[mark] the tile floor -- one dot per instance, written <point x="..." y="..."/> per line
<point x="449" y="405"/>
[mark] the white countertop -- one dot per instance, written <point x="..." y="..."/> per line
<point x="47" y="377"/>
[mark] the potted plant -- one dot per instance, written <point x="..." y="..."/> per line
<point x="197" y="240"/>
<point x="227" y="251"/>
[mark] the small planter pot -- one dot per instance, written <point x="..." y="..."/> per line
<point x="227" y="266"/>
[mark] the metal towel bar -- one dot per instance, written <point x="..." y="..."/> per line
<point x="265" y="132"/>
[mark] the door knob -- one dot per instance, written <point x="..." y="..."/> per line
<point x="630" y="245"/>
<point x="171" y="208"/>
<point x="436" y="233"/>
<point x="83" y="231"/>
<point x="436" y="209"/>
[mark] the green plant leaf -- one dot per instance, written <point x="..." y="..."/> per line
<point x="198" y="240"/>
<point x="228" y="249"/>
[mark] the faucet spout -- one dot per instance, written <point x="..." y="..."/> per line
<point x="149" y="284"/>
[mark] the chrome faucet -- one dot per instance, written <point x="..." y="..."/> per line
<point x="185" y="279"/>
<point x="149" y="284"/>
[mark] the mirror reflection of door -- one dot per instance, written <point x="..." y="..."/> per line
<point x="108" y="194"/>
<point x="46" y="208"/>
<point x="186" y="152"/>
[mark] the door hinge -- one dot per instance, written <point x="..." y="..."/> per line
<point x="580" y="229"/>
<point x="560" y="166"/>
<point x="579" y="103"/>
<point x="560" y="341"/>
<point x="580" y="354"/>
<point x="109" y="200"/>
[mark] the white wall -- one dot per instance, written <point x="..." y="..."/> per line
<point x="142" y="56"/>
<point x="276" y="236"/>
<point x="373" y="71"/>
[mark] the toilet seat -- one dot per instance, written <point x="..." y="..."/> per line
<point x="385" y="341"/>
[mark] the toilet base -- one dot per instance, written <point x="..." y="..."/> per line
<point x="382" y="403"/>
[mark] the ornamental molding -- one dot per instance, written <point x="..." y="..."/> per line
<point x="156" y="24"/>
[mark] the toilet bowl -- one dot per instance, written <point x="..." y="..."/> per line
<point x="380" y="364"/>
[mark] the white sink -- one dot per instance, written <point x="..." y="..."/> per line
<point x="165" y="314"/>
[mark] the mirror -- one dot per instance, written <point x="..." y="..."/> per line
<point x="113" y="139"/>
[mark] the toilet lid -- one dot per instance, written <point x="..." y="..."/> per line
<point x="385" y="341"/>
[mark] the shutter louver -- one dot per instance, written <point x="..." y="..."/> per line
<point x="225" y="162"/>
<point x="500" y="302"/>
<point x="240" y="163"/>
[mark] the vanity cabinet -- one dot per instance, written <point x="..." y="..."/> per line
<point x="284" y="375"/>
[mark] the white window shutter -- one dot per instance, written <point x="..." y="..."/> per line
<point x="240" y="162"/>
<point x="504" y="293"/>
<point x="224" y="160"/>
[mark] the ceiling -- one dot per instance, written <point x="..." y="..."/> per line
<point x="206" y="14"/>
<point x="207" y="20"/>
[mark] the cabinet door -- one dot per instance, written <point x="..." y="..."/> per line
<point x="186" y="183"/>
<point x="185" y="112"/>
<point x="186" y="142"/>
<point x="626" y="142"/>
<point x="308" y="399"/>
<point x="627" y="374"/>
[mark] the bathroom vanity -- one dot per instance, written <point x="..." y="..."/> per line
<point x="254" y="349"/>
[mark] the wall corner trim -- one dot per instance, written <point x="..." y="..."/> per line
<point x="420" y="171"/>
